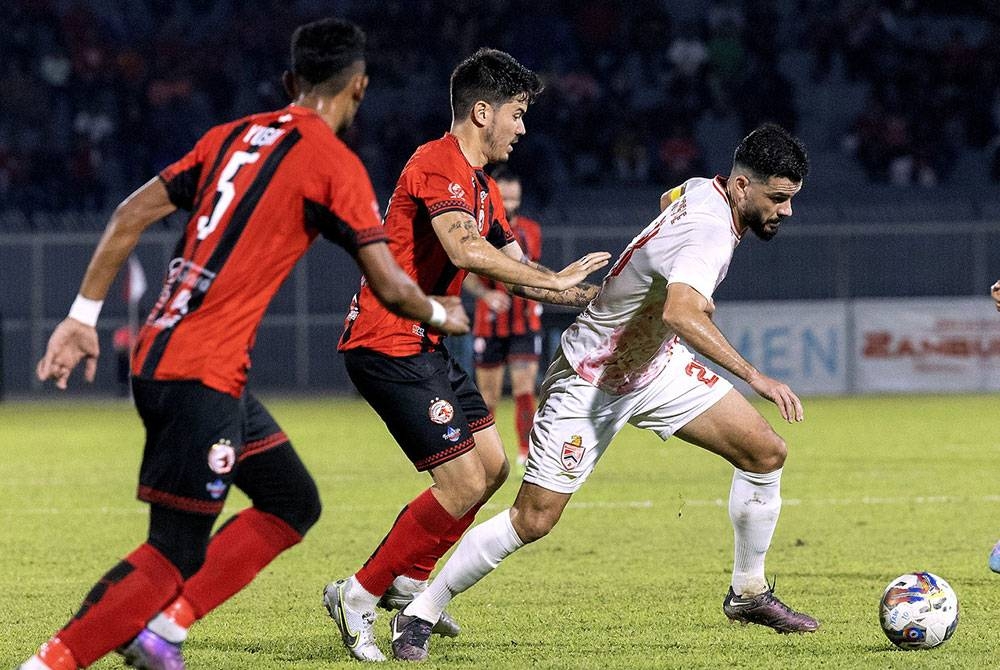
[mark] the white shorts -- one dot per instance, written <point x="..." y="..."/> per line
<point x="576" y="421"/>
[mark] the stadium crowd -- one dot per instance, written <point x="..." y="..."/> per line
<point x="98" y="95"/>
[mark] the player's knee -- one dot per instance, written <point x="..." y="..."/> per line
<point x="533" y="523"/>
<point x="768" y="455"/>
<point x="181" y="537"/>
<point x="300" y="507"/>
<point x="496" y="478"/>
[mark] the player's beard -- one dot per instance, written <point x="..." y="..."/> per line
<point x="765" y="230"/>
<point x="497" y="149"/>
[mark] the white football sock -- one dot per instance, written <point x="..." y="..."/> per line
<point x="477" y="555"/>
<point x="357" y="598"/>
<point x="754" y="506"/>
<point x="167" y="628"/>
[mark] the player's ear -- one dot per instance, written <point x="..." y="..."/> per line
<point x="359" y="84"/>
<point x="291" y="86"/>
<point x="481" y="112"/>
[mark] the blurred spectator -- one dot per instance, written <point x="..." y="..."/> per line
<point x="110" y="92"/>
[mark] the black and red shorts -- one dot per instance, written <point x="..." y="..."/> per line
<point x="491" y="352"/>
<point x="427" y="401"/>
<point x="194" y="437"/>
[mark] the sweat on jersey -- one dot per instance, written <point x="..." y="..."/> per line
<point x="260" y="189"/>
<point x="620" y="343"/>
<point x="437" y="179"/>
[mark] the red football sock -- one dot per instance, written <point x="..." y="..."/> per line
<point x="237" y="553"/>
<point x="524" y="415"/>
<point x="423" y="567"/>
<point x="418" y="531"/>
<point x="119" y="605"/>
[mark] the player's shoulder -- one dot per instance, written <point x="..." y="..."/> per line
<point x="443" y="156"/>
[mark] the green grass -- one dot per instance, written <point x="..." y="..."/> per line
<point x="633" y="577"/>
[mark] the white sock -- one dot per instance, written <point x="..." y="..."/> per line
<point x="33" y="663"/>
<point x="357" y="598"/>
<point x="167" y="628"/>
<point x="476" y="556"/>
<point x="405" y="584"/>
<point x="754" y="505"/>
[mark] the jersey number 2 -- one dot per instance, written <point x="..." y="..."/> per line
<point x="226" y="192"/>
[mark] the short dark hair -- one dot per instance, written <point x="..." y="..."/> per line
<point x="493" y="76"/>
<point x="323" y="52"/>
<point x="771" y="151"/>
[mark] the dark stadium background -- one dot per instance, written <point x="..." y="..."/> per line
<point x="898" y="103"/>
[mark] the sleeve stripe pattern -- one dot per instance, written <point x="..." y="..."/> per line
<point x="338" y="231"/>
<point x="449" y="206"/>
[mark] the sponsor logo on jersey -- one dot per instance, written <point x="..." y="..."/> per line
<point x="216" y="489"/>
<point x="452" y="434"/>
<point x="572" y="453"/>
<point x="440" y="411"/>
<point x="221" y="457"/>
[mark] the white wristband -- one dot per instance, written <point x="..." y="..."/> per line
<point x="438" y="314"/>
<point x="86" y="310"/>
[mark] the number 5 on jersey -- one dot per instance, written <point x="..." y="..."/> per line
<point x="225" y="192"/>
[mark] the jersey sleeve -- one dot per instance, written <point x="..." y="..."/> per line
<point x="701" y="257"/>
<point x="349" y="214"/>
<point x="182" y="177"/>
<point x="441" y="189"/>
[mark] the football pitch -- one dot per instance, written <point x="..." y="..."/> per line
<point x="632" y="577"/>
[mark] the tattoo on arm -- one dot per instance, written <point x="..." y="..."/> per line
<point x="471" y="229"/>
<point x="577" y="296"/>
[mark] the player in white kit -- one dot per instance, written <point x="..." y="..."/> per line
<point x="626" y="360"/>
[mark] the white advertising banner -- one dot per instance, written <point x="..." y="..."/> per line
<point x="802" y="343"/>
<point x="928" y="345"/>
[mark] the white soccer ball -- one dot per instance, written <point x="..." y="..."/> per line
<point x="918" y="610"/>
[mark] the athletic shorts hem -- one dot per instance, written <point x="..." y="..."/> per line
<point x="481" y="424"/>
<point x="154" y="497"/>
<point x="549" y="485"/>
<point x="444" y="456"/>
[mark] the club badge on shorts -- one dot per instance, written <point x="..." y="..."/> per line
<point x="440" y="411"/>
<point x="221" y="457"/>
<point x="572" y="453"/>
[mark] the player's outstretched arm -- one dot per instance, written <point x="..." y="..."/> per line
<point x="75" y="338"/>
<point x="467" y="249"/>
<point x="575" y="296"/>
<point x="688" y="313"/>
<point x="401" y="295"/>
<point x="995" y="294"/>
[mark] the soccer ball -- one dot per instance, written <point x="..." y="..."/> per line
<point x="919" y="610"/>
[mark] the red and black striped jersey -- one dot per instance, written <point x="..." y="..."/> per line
<point x="437" y="179"/>
<point x="523" y="316"/>
<point x="260" y="189"/>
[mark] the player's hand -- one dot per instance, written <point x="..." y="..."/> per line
<point x="995" y="294"/>
<point x="780" y="394"/>
<point x="577" y="271"/>
<point x="457" y="322"/>
<point x="497" y="301"/>
<point x="70" y="343"/>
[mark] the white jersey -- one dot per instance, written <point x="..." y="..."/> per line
<point x="620" y="343"/>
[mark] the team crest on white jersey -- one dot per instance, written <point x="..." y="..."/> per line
<point x="440" y="411"/>
<point x="572" y="453"/>
<point x="221" y="457"/>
